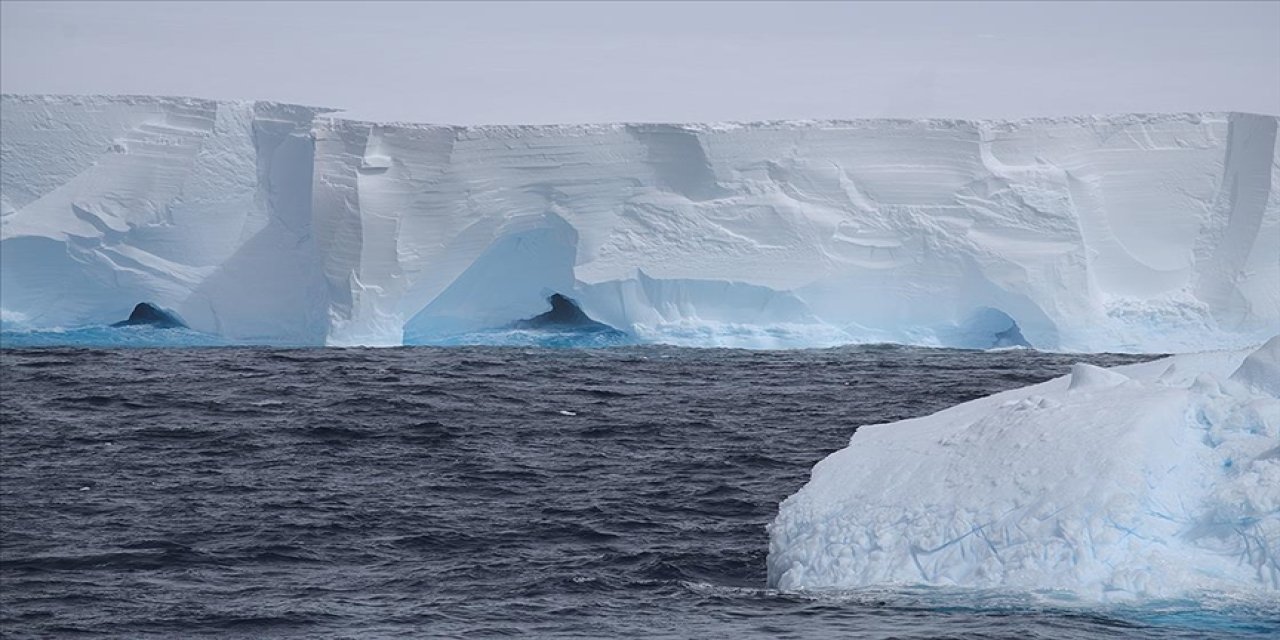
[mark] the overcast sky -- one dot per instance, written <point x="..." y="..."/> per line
<point x="486" y="62"/>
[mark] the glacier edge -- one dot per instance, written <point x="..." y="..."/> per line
<point x="287" y="224"/>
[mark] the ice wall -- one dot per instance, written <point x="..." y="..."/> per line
<point x="198" y="206"/>
<point x="283" y="223"/>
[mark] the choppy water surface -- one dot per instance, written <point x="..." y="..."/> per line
<point x="472" y="492"/>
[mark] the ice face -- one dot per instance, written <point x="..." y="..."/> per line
<point x="1152" y="480"/>
<point x="280" y="223"/>
<point x="197" y="206"/>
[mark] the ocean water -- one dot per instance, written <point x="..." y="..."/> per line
<point x="475" y="492"/>
<point x="103" y="336"/>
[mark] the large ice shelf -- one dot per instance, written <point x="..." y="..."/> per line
<point x="268" y="222"/>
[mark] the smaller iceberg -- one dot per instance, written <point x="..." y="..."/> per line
<point x="1155" y="480"/>
<point x="149" y="325"/>
<point x="565" y="325"/>
<point x="564" y="316"/>
<point x="147" y="314"/>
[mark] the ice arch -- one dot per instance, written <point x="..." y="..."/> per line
<point x="531" y="259"/>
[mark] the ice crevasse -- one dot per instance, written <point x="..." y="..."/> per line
<point x="280" y="223"/>
<point x="1154" y="480"/>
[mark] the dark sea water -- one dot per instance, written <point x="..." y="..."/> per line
<point x="473" y="492"/>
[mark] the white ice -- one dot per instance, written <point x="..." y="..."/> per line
<point x="1153" y="480"/>
<point x="281" y="223"/>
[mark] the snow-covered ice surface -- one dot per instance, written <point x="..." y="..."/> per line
<point x="1155" y="480"/>
<point x="276" y="223"/>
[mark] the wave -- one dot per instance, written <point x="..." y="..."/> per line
<point x="1204" y="614"/>
<point x="105" y="336"/>
<point x="586" y="339"/>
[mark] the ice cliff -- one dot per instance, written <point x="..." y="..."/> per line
<point x="281" y="223"/>
<point x="1153" y="480"/>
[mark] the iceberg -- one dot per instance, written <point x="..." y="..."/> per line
<point x="275" y="223"/>
<point x="1155" y="480"/>
<point x="147" y="314"/>
<point x="564" y="325"/>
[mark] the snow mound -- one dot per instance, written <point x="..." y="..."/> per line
<point x="1261" y="370"/>
<point x="1085" y="376"/>
<point x="1153" y="480"/>
<point x="265" y="222"/>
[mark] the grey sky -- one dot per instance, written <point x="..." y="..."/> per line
<point x="658" y="61"/>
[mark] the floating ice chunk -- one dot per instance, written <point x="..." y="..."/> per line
<point x="147" y="314"/>
<point x="1130" y="490"/>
